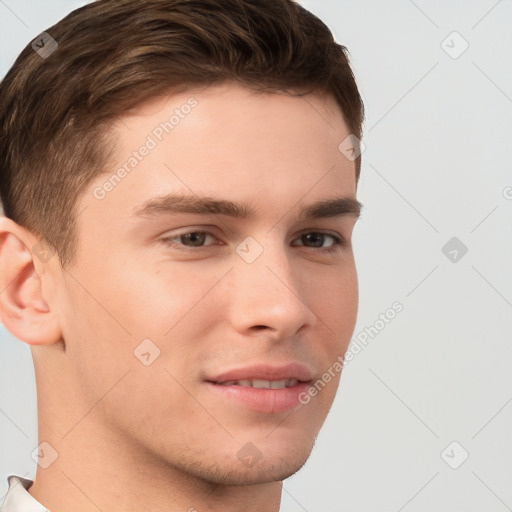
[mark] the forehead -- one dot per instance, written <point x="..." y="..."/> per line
<point x="230" y="117"/>
<point x="226" y="142"/>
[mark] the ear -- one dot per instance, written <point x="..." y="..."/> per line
<point x="23" y="307"/>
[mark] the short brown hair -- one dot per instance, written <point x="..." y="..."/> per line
<point x="112" y="55"/>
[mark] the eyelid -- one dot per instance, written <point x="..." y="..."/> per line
<point x="339" y="240"/>
<point x="335" y="236"/>
<point x="170" y="239"/>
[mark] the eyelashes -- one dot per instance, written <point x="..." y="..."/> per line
<point x="338" y="242"/>
<point x="197" y="239"/>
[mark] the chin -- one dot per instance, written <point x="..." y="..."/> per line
<point x="250" y="467"/>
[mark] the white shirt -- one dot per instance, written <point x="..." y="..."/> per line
<point x="18" y="498"/>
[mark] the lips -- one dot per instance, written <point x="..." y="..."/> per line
<point x="262" y="388"/>
<point x="264" y="372"/>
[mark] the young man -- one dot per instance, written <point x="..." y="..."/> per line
<point x="178" y="179"/>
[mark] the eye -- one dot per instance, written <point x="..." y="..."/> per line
<point x="312" y="239"/>
<point x="190" y="239"/>
<point x="317" y="239"/>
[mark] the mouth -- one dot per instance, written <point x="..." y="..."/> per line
<point x="264" y="389"/>
<point x="260" y="383"/>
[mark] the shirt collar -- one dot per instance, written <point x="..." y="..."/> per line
<point x="18" y="498"/>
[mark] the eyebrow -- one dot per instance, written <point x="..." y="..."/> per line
<point x="183" y="203"/>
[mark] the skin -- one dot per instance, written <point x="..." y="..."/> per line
<point x="134" y="437"/>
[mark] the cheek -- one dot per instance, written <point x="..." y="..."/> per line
<point x="99" y="348"/>
<point x="335" y="303"/>
<point x="111" y="319"/>
<point x="138" y="300"/>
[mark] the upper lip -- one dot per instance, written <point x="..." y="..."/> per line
<point x="265" y="372"/>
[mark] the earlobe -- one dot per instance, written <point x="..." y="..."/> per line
<point x="23" y="308"/>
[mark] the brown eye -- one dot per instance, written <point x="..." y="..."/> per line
<point x="190" y="239"/>
<point x="195" y="239"/>
<point x="316" y="239"/>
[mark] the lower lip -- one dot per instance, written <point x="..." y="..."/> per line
<point x="270" y="401"/>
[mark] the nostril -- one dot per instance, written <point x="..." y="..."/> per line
<point x="262" y="327"/>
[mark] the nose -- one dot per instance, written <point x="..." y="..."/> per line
<point x="269" y="297"/>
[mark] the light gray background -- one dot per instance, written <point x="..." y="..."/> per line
<point x="437" y="165"/>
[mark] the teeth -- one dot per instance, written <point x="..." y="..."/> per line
<point x="278" y="384"/>
<point x="264" y="384"/>
<point x="261" y="384"/>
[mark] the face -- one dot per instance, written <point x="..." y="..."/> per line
<point x="208" y="293"/>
